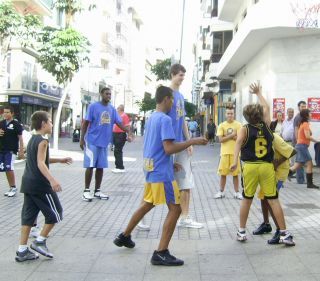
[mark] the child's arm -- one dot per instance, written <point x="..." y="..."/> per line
<point x="171" y="147"/>
<point x="240" y="139"/>
<point x="256" y="89"/>
<point x="278" y="162"/>
<point x="66" y="160"/>
<point x="41" y="157"/>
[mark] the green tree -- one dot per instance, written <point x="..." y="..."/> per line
<point x="162" y="69"/>
<point x="63" y="52"/>
<point x="146" y="104"/>
<point x="190" y="108"/>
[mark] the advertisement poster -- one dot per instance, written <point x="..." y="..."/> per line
<point x="314" y="107"/>
<point x="279" y="104"/>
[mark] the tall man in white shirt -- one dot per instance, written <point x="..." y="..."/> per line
<point x="287" y="129"/>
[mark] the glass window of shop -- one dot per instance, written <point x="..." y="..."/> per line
<point x="29" y="77"/>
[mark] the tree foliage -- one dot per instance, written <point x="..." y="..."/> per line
<point x="162" y="69"/>
<point x="63" y="52"/>
<point x="190" y="108"/>
<point x="146" y="104"/>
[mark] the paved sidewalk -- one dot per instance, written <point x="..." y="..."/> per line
<point x="82" y="242"/>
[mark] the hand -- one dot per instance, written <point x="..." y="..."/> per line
<point x="190" y="150"/>
<point x="1" y="133"/>
<point x="177" y="167"/>
<point x="255" y="88"/>
<point x="276" y="164"/>
<point x="235" y="136"/>
<point x="199" y="141"/>
<point x="82" y="144"/>
<point x="56" y="187"/>
<point x="67" y="160"/>
<point x="129" y="138"/>
<point x="234" y="167"/>
<point x="21" y="154"/>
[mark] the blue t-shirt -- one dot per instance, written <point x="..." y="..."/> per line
<point x="177" y="114"/>
<point x="157" y="165"/>
<point x="101" y="118"/>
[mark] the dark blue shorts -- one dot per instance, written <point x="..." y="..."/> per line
<point x="7" y="159"/>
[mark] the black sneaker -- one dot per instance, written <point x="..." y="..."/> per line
<point x="26" y="255"/>
<point x="262" y="229"/>
<point x="122" y="240"/>
<point x="165" y="258"/>
<point x="275" y="239"/>
<point x="41" y="248"/>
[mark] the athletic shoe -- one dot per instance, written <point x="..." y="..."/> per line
<point x="12" y="192"/>
<point x="142" y="226"/>
<point x="86" y="196"/>
<point x="287" y="239"/>
<point x="262" y="229"/>
<point x="122" y="240"/>
<point x="275" y="239"/>
<point x="41" y="248"/>
<point x="237" y="195"/>
<point x="35" y="232"/>
<point x="241" y="236"/>
<point x="165" y="258"/>
<point x="100" y="195"/>
<point x="189" y="223"/>
<point x="118" y="171"/>
<point x="26" y="255"/>
<point x="219" y="195"/>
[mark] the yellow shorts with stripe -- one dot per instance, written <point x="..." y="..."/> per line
<point x="158" y="193"/>
<point x="226" y="160"/>
<point x="259" y="173"/>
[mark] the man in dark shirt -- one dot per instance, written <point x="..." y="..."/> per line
<point x="11" y="142"/>
<point x="211" y="128"/>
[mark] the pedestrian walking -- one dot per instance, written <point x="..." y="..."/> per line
<point x="119" y="140"/>
<point x="193" y="125"/>
<point x="95" y="137"/>
<point x="160" y="186"/>
<point x="255" y="142"/>
<point x="11" y="144"/>
<point x="211" y="131"/>
<point x="40" y="190"/>
<point x="227" y="133"/>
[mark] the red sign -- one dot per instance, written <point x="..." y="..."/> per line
<point x="314" y="107"/>
<point x="279" y="104"/>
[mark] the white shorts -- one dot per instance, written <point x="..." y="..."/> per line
<point x="184" y="177"/>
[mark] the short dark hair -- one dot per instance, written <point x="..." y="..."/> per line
<point x="104" y="89"/>
<point x="176" y="68"/>
<point x="304" y="114"/>
<point x="253" y="113"/>
<point x="37" y="118"/>
<point x="301" y="102"/>
<point x="9" y="107"/>
<point x="162" y="92"/>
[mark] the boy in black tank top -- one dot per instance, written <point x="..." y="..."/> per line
<point x="40" y="190"/>
<point x="255" y="142"/>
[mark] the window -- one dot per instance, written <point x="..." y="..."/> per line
<point x="244" y="14"/>
<point x="29" y="77"/>
<point x="118" y="27"/>
<point x="217" y="42"/>
<point x="221" y="41"/>
<point x="255" y="1"/>
<point x="214" y="11"/>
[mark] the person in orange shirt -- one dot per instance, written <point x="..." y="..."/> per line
<point x="119" y="140"/>
<point x="303" y="154"/>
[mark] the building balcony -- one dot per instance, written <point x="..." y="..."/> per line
<point x="39" y="7"/>
<point x="256" y="30"/>
<point x="228" y="9"/>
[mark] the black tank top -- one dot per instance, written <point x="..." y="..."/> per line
<point x="258" y="144"/>
<point x="33" y="181"/>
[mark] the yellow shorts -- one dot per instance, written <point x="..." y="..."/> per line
<point x="225" y="163"/>
<point x="158" y="193"/>
<point x="262" y="174"/>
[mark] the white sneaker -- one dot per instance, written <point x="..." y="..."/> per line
<point x="237" y="195"/>
<point x="86" y="196"/>
<point x="100" y="195"/>
<point x="189" y="223"/>
<point x="12" y="192"/>
<point x="143" y="227"/>
<point x="219" y="195"/>
<point x="35" y="232"/>
<point x="118" y="171"/>
<point x="241" y="236"/>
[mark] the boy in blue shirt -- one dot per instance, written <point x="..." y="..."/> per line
<point x="95" y="136"/>
<point x="160" y="186"/>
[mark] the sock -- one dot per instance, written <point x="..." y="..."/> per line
<point x="241" y="229"/>
<point x="283" y="231"/>
<point x="86" y="189"/>
<point x="267" y="223"/>
<point x="13" y="186"/>
<point x="41" y="238"/>
<point x="162" y="251"/>
<point x="22" y="248"/>
<point x="97" y="190"/>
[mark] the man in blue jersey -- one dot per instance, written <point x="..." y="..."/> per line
<point x="160" y="186"/>
<point x="96" y="134"/>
